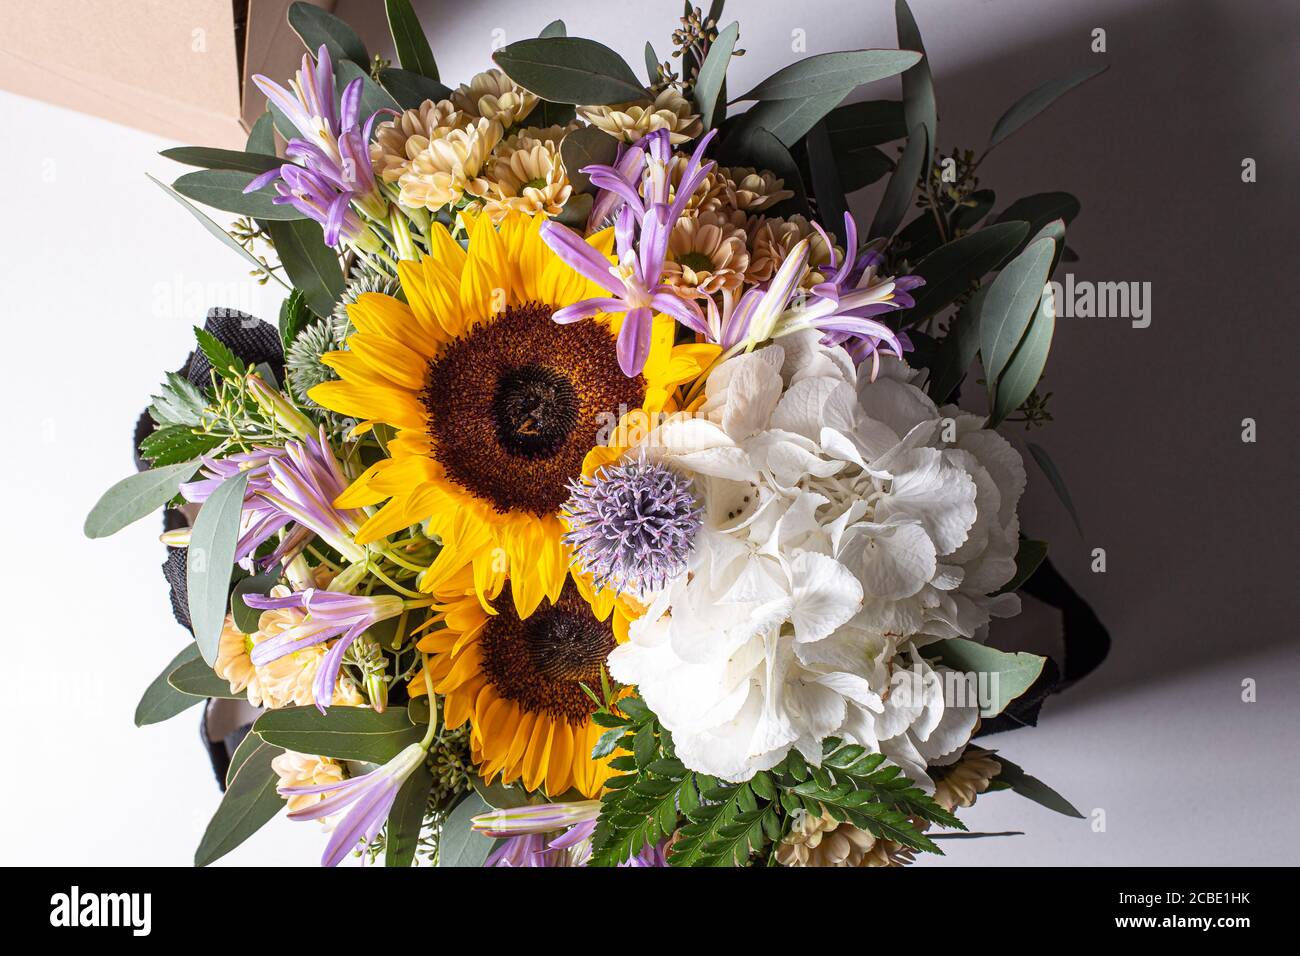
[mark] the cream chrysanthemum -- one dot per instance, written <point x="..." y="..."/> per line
<point x="450" y="166"/>
<point x="706" y="254"/>
<point x="526" y="174"/>
<point x="494" y="96"/>
<point x="400" y="140"/>
<point x="963" y="781"/>
<point x="306" y="770"/>
<point x="629" y="122"/>
<point x="753" y="190"/>
<point x="772" y="241"/>
<point x="823" y="841"/>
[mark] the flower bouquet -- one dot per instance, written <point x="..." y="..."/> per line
<point x="601" y="497"/>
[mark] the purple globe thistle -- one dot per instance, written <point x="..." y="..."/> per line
<point x="632" y="525"/>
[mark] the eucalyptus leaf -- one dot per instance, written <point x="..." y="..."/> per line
<point x="555" y="28"/>
<point x="345" y="733"/>
<point x="197" y="679"/>
<point x="651" y="63"/>
<point x="918" y="85"/>
<point x="409" y="40"/>
<point x="1025" y="367"/>
<point x="207" y="223"/>
<point x="586" y="146"/>
<point x="790" y="120"/>
<point x="1041" y="208"/>
<point x="1010" y="305"/>
<point x="1055" y="230"/>
<point x="1029" y="556"/>
<point x="406" y="817"/>
<point x="826" y="184"/>
<point x="954" y="267"/>
<point x="409" y="89"/>
<point x="898" y="193"/>
<point x="825" y="73"/>
<point x="210" y="559"/>
<point x="1008" y="675"/>
<point x="460" y="845"/>
<point x="224" y="189"/>
<point x="317" y="28"/>
<point x="1039" y="99"/>
<point x="247" y="747"/>
<point x="713" y="74"/>
<point x="868" y="123"/>
<point x="261" y="138"/>
<point x="374" y="98"/>
<point x="500" y="795"/>
<point x="245" y="617"/>
<point x="956" y="350"/>
<point x="161" y="701"/>
<point x="1033" y="789"/>
<point x="136" y="496"/>
<point x="249" y="803"/>
<point x="1049" y="469"/>
<point x="233" y="159"/>
<point x="570" y="70"/>
<point x="310" y="264"/>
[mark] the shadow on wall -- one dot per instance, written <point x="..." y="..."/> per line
<point x="1196" y="525"/>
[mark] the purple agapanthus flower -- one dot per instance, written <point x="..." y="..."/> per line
<point x="370" y="797"/>
<point x="294" y="485"/>
<point x="526" y="835"/>
<point x="632" y="525"/>
<point x="331" y="168"/>
<point x="328" y="615"/>
<point x="642" y="226"/>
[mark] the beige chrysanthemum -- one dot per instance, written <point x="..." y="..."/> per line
<point x="823" y="841"/>
<point x="400" y="140"/>
<point x="306" y="770"/>
<point x="628" y="122"/>
<point x="493" y="95"/>
<point x="527" y="174"/>
<point x="450" y="166"/>
<point x="959" y="784"/>
<point x="773" y="239"/>
<point x="707" y="254"/>
<point x="281" y="682"/>
<point x="753" y="190"/>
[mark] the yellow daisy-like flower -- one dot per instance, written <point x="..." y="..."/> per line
<point x="496" y="405"/>
<point x="519" y="681"/>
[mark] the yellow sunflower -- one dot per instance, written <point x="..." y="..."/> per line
<point x="519" y="681"/>
<point x="496" y="406"/>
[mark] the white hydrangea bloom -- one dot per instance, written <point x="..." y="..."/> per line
<point x="841" y="533"/>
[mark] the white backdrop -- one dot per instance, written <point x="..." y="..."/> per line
<point x="103" y="275"/>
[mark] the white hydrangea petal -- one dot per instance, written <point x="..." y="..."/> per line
<point x="826" y="596"/>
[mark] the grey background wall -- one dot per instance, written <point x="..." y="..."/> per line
<point x="1198" y="527"/>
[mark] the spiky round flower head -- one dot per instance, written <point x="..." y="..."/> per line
<point x="303" y="358"/>
<point x="632" y="525"/>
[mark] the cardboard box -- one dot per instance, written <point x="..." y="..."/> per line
<point x="178" y="68"/>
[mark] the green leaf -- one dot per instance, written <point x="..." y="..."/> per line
<point x="1034" y="789"/>
<point x="831" y="72"/>
<point x="712" y="76"/>
<point x="825" y="175"/>
<point x="1025" y="367"/>
<point x="412" y="46"/>
<point x="1039" y="99"/>
<point x="207" y="223"/>
<point x="249" y="802"/>
<point x="373" y="96"/>
<point x="411" y="89"/>
<point x="316" y="28"/>
<point x="1029" y="556"/>
<point x="751" y="145"/>
<point x="1048" y="467"/>
<point x="956" y="350"/>
<point x="459" y="844"/>
<point x="345" y="733"/>
<point x="219" y="356"/>
<point x="1010" y="305"/>
<point x="247" y="747"/>
<point x="245" y="617"/>
<point x="898" y="194"/>
<point x="312" y="265"/>
<point x="1040" y="209"/>
<point x="570" y="70"/>
<point x="233" y="159"/>
<point x="1014" y="672"/>
<point x="261" y="138"/>
<point x="161" y="701"/>
<point x="136" y="496"/>
<point x="555" y="28"/>
<point x="954" y="267"/>
<point x="178" y="403"/>
<point x="210" y="560"/>
<point x="869" y="123"/>
<point x="790" y="120"/>
<point x="402" y="833"/>
<point x="294" y="317"/>
<point x="500" y="795"/>
<point x="173" y="444"/>
<point x="651" y="63"/>
<point x="584" y="147"/>
<point x="918" y="85"/>
<point x="224" y="189"/>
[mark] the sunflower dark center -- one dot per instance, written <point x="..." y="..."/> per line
<point x="515" y="405"/>
<point x="542" y="662"/>
<point x="536" y="408"/>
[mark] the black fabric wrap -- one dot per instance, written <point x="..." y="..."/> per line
<point x="254" y="342"/>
